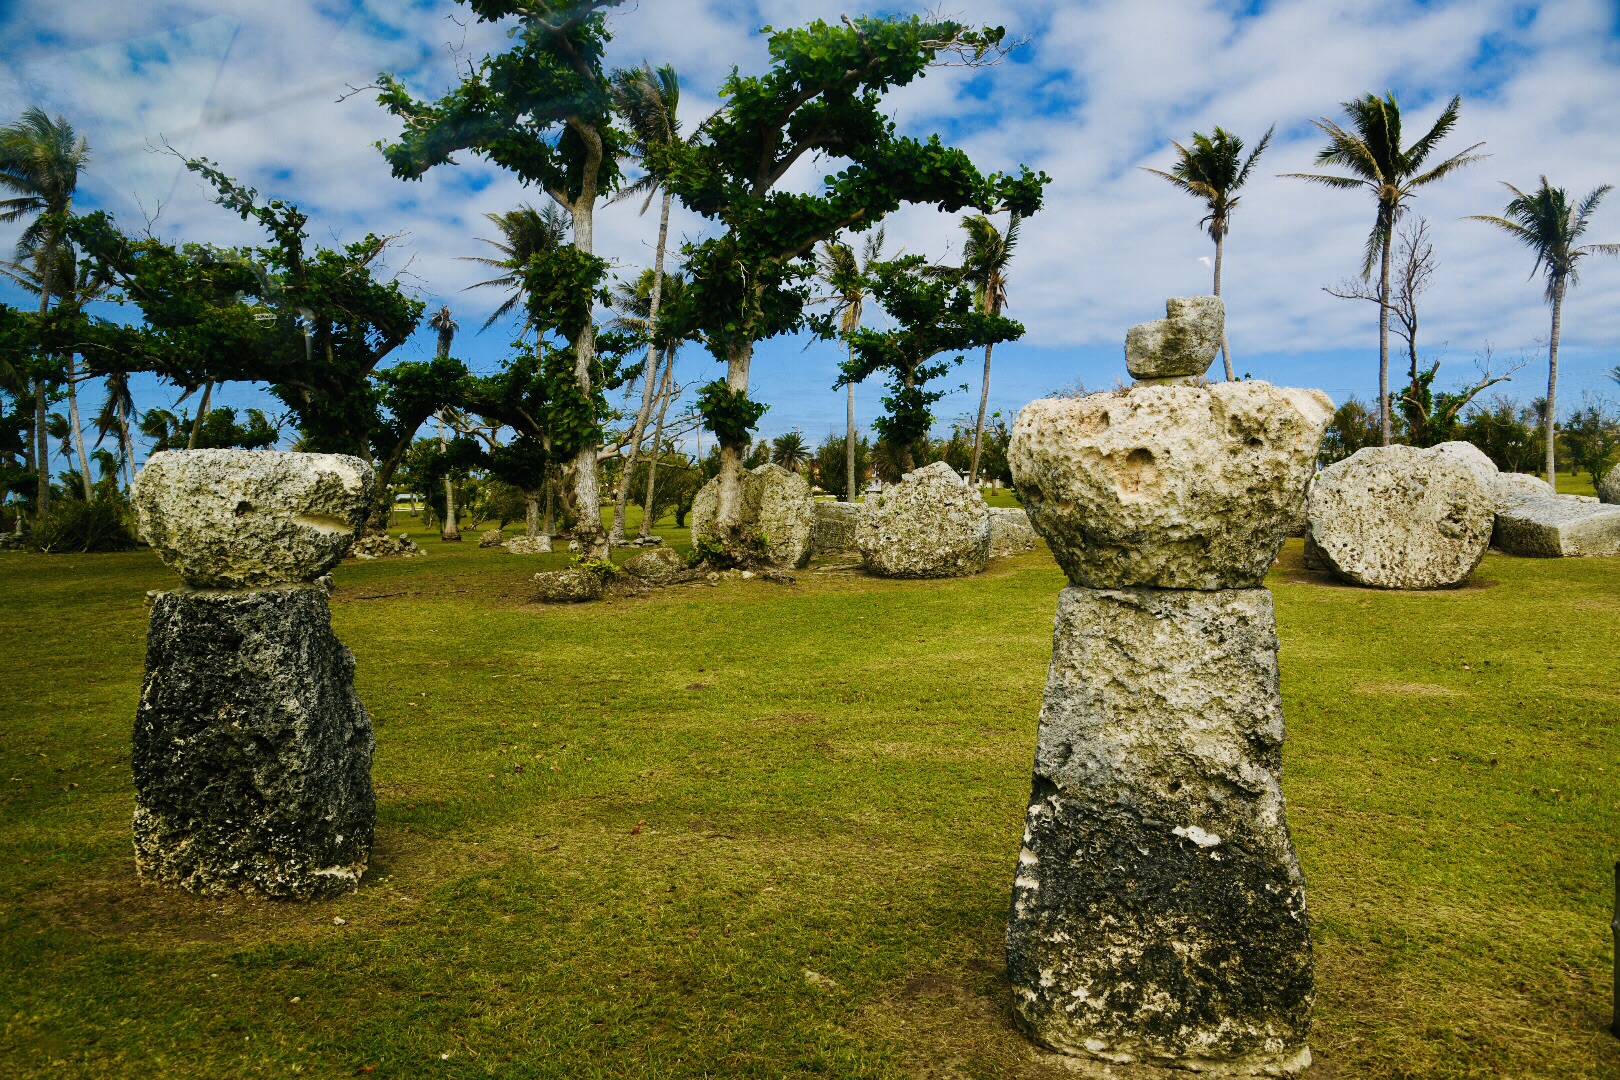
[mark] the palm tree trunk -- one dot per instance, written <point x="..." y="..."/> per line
<point x="1226" y="345"/>
<point x="849" y="440"/>
<point x="128" y="445"/>
<point x="78" y="427"/>
<point x="449" y="528"/>
<point x="41" y="436"/>
<point x="593" y="542"/>
<point x="202" y="412"/>
<point x="1385" y="425"/>
<point x="648" y="393"/>
<point x="1552" y="381"/>
<point x="665" y="393"/>
<point x="978" y="428"/>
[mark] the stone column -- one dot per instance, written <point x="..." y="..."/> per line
<point x="1158" y="917"/>
<point x="252" y="754"/>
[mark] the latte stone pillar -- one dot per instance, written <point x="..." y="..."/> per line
<point x="252" y="755"/>
<point x="1158" y="920"/>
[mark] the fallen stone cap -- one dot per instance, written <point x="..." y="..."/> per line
<point x="1180" y="346"/>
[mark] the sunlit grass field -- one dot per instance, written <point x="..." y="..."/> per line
<point x="769" y="830"/>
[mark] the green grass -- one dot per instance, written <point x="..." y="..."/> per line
<point x="613" y="839"/>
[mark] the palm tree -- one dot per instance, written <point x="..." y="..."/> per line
<point x="1213" y="169"/>
<point x="113" y="418"/>
<point x="648" y="101"/>
<point x="1370" y="148"/>
<point x="525" y="232"/>
<point x="446" y="327"/>
<point x="789" y="451"/>
<point x="1544" y="222"/>
<point x="40" y="162"/>
<point x="845" y="276"/>
<point x="984" y="266"/>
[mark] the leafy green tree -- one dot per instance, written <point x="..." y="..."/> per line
<point x="1551" y="227"/>
<point x="790" y="452"/>
<point x="1352" y="428"/>
<point x="525" y="234"/>
<point x="845" y="278"/>
<point x="833" y="466"/>
<point x="1213" y="169"/>
<point x="218" y="430"/>
<point x="1592" y="436"/>
<point x="543" y="110"/>
<point x="1369" y="149"/>
<point x="932" y="315"/>
<point x="822" y="96"/>
<point x="40" y="163"/>
<point x="1510" y="434"/>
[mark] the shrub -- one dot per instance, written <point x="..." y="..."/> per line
<point x="74" y="526"/>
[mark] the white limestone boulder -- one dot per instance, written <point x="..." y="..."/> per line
<point x="1553" y="527"/>
<point x="232" y="519"/>
<point x="1180" y="346"/>
<point x="527" y="545"/>
<point x="1178" y="487"/>
<point x="776" y="503"/>
<point x="1401" y="517"/>
<point x="929" y="525"/>
<point x="834" y="529"/>
<point x="1609" y="490"/>
<point x="1513" y="488"/>
<point x="1010" y="531"/>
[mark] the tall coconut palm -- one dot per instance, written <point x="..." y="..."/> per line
<point x="648" y="101"/>
<point x="446" y="326"/>
<point x="1213" y="169"/>
<point x="40" y="162"/>
<point x="525" y="232"/>
<point x="985" y="258"/>
<point x="1370" y="149"/>
<point x="845" y="277"/>
<point x="1546" y="223"/>
<point x="117" y="408"/>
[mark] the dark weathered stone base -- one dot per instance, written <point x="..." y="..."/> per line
<point x="1158" y="914"/>
<point x="252" y="756"/>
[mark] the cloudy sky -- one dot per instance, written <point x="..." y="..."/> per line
<point x="1097" y="92"/>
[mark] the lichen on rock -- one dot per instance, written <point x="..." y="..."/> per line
<point x="929" y="525"/>
<point x="776" y="506"/>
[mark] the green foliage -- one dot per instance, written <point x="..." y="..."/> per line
<point x="1592" y="436"/>
<point x="1213" y="169"/>
<point x="74" y="526"/>
<point x="790" y="452"/>
<point x="602" y="568"/>
<point x="220" y="430"/>
<point x="1510" y="434"/>
<point x="1352" y="428"/>
<point x="832" y="472"/>
<point x="728" y="413"/>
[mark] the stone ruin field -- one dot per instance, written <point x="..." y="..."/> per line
<point x="763" y="829"/>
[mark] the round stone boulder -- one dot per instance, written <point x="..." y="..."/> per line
<point x="1401" y="517"/>
<point x="929" y="525"/>
<point x="1513" y="488"/>
<point x="775" y="502"/>
<point x="656" y="566"/>
<point x="527" y="545"/>
<point x="1609" y="490"/>
<point x="233" y="519"/>
<point x="1010" y="531"/>
<point x="570" y="586"/>
<point x="1174" y="487"/>
<point x="492" y="538"/>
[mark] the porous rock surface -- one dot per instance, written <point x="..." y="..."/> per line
<point x="1609" y="490"/>
<point x="1010" y="531"/>
<point x="1400" y="517"/>
<point x="834" y="529"/>
<point x="1513" y="488"/>
<point x="381" y="545"/>
<point x="492" y="538"/>
<point x="1181" y="345"/>
<point x="252" y="752"/>
<point x="571" y="586"/>
<point x="1471" y="458"/>
<point x="1179" y="487"/>
<point x="929" y="525"/>
<point x="1158" y="912"/>
<point x="527" y="545"/>
<point x="1554" y="526"/>
<point x="656" y="566"/>
<point x="775" y="502"/>
<point x="228" y="519"/>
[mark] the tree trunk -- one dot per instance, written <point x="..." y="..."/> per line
<point x="651" y="381"/>
<point x="531" y="513"/>
<point x="978" y="428"/>
<point x="849" y="439"/>
<point x="1552" y="381"/>
<point x="728" y="512"/>
<point x="202" y="412"/>
<point x="78" y="427"/>
<point x="665" y="392"/>
<point x="449" y="528"/>
<point x="1226" y="345"/>
<point x="1385" y="423"/>
<point x="588" y="529"/>
<point x="41" y="436"/>
<point x="128" y="445"/>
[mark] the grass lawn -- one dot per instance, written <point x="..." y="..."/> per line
<point x="761" y="830"/>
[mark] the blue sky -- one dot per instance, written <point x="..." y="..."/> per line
<point x="1098" y="92"/>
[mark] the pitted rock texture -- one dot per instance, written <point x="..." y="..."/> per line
<point x="775" y="502"/>
<point x="1609" y="490"/>
<point x="252" y="752"/>
<point x="1178" y="487"/>
<point x="571" y="586"/>
<point x="656" y="566"/>
<point x="835" y="526"/>
<point x="382" y="546"/>
<point x="1180" y="346"/>
<point x="1472" y="458"/>
<point x="1400" y="517"/>
<point x="1010" y="531"/>
<point x="230" y="519"/>
<point x="492" y="538"/>
<point x="929" y="525"/>
<point x="527" y="545"/>
<point x="1158" y="911"/>
<point x="1513" y="488"/>
<point x="1554" y="527"/>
